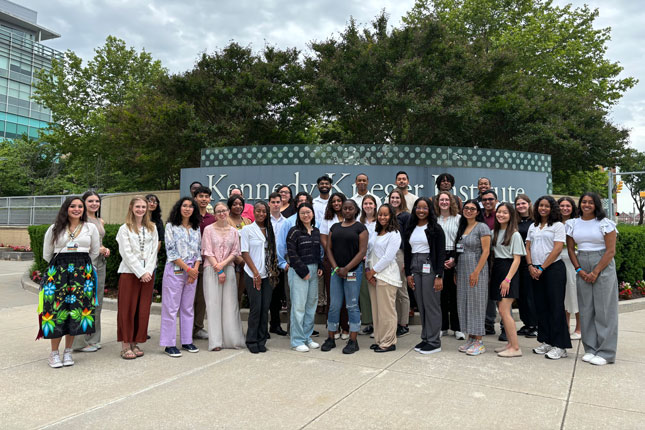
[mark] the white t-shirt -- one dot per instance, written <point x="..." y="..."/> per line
<point x="325" y="224"/>
<point x="409" y="200"/>
<point x="542" y="241"/>
<point x="419" y="240"/>
<point x="252" y="240"/>
<point x="359" y="200"/>
<point x="320" y="205"/>
<point x="589" y="235"/>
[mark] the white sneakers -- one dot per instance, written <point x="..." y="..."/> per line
<point x="542" y="349"/>
<point x="556" y="353"/>
<point x="598" y="361"/>
<point x="67" y="357"/>
<point x="201" y="334"/>
<point x="54" y="360"/>
<point x="301" y="348"/>
<point x="313" y="345"/>
<point x="459" y="335"/>
<point x="587" y="357"/>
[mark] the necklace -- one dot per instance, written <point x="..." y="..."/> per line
<point x="72" y="235"/>
<point x="142" y="240"/>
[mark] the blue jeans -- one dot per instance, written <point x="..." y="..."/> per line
<point x="351" y="290"/>
<point x="304" y="299"/>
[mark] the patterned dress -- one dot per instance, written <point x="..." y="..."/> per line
<point x="472" y="301"/>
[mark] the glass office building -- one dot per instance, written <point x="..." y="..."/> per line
<point x="22" y="56"/>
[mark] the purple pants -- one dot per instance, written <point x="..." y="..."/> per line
<point x="177" y="296"/>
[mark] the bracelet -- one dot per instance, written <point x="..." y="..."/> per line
<point x="578" y="269"/>
<point x="507" y="280"/>
<point x="220" y="272"/>
<point x="334" y="271"/>
<point x="540" y="268"/>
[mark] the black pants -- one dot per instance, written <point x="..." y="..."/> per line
<point x="276" y="301"/>
<point x="548" y="293"/>
<point x="526" y="301"/>
<point x="449" y="316"/>
<point x="259" y="301"/>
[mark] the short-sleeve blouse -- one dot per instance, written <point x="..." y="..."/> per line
<point x="220" y="245"/>
<point x="543" y="240"/>
<point x="589" y="235"/>
<point x="515" y="247"/>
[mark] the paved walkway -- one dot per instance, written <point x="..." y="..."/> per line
<point x="285" y="389"/>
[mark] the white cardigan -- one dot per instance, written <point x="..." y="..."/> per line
<point x="131" y="258"/>
<point x="382" y="258"/>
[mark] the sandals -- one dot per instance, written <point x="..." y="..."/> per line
<point x="137" y="351"/>
<point x="128" y="354"/>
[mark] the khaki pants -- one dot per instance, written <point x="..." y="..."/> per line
<point x="383" y="298"/>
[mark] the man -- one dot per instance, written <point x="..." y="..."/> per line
<point x="277" y="222"/>
<point x="193" y="187"/>
<point x="281" y="247"/>
<point x="489" y="202"/>
<point x="483" y="184"/>
<point x="320" y="202"/>
<point x="361" y="183"/>
<point x="248" y="208"/>
<point x="446" y="182"/>
<point x="202" y="196"/>
<point x="402" y="182"/>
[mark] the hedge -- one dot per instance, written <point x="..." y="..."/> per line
<point x="630" y="255"/>
<point x="37" y="236"/>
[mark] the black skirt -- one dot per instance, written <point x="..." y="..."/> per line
<point x="68" y="296"/>
<point x="501" y="266"/>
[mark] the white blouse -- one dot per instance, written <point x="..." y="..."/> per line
<point x="543" y="240"/>
<point x="450" y="225"/>
<point x="589" y="235"/>
<point x="382" y="258"/>
<point x="325" y="224"/>
<point x="133" y="258"/>
<point x="253" y="241"/>
<point x="87" y="240"/>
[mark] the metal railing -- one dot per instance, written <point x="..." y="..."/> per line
<point x="29" y="210"/>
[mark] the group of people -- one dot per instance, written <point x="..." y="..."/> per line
<point x="357" y="260"/>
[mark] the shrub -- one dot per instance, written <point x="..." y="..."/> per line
<point x="630" y="258"/>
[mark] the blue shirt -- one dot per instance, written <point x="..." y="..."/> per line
<point x="281" y="239"/>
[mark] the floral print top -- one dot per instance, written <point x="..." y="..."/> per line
<point x="182" y="243"/>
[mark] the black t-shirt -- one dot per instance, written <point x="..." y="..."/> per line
<point x="345" y="242"/>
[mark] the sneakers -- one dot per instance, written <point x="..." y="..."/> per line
<point x="490" y="330"/>
<point x="598" y="361"/>
<point x="428" y="349"/>
<point x="201" y="334"/>
<point x="402" y="331"/>
<point x="587" y="357"/>
<point x="54" y="360"/>
<point x="465" y="346"/>
<point x="523" y="331"/>
<point x="313" y="345"/>
<point x="556" y="353"/>
<point x="510" y="353"/>
<point x="443" y="333"/>
<point x="533" y="332"/>
<point x="575" y="336"/>
<point x="502" y="337"/>
<point x="419" y="345"/>
<point x="459" y="335"/>
<point x="542" y="349"/>
<point x="172" y="351"/>
<point x="67" y="357"/>
<point x="190" y="348"/>
<point x="369" y="329"/>
<point x="315" y="334"/>
<point x="89" y="348"/>
<point x="344" y="336"/>
<point x="337" y="335"/>
<point x="301" y="348"/>
<point x="476" y="348"/>
<point x="351" y="347"/>
<point x="328" y="344"/>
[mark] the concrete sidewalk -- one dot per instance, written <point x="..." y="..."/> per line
<point x="286" y="389"/>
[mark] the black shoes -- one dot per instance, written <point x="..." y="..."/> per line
<point x="420" y="345"/>
<point x="388" y="349"/>
<point x="315" y="334"/>
<point x="374" y="346"/>
<point x="278" y="330"/>
<point x="328" y="344"/>
<point x="369" y="329"/>
<point x="254" y="349"/>
<point x="532" y="332"/>
<point x="523" y="331"/>
<point x="262" y="348"/>
<point x="402" y="330"/>
<point x="351" y="347"/>
<point x="190" y="348"/>
<point x="502" y="337"/>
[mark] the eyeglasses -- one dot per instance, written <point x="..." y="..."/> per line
<point x="153" y="202"/>
<point x="469" y="209"/>
<point x="488" y="200"/>
<point x="284" y="192"/>
<point x="223" y="211"/>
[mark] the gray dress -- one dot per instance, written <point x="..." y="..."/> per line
<point x="471" y="301"/>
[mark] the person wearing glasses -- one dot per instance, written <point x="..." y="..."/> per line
<point x="287" y="205"/>
<point x="154" y="210"/>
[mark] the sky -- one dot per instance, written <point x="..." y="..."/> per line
<point x="177" y="32"/>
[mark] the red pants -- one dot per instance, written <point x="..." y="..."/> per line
<point x="133" y="309"/>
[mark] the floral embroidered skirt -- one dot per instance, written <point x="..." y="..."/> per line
<point x="68" y="296"/>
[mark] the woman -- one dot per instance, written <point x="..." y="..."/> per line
<point x="384" y="279"/>
<point x="472" y="246"/>
<point x="424" y="251"/>
<point x="287" y="208"/>
<point x="333" y="215"/>
<point x="446" y="206"/>
<point x="544" y="243"/>
<point x="569" y="211"/>
<point x="305" y="262"/>
<point x="261" y="274"/>
<point x="597" y="285"/>
<point x="346" y="248"/>
<point x="138" y="244"/>
<point x="66" y="306"/>
<point x="235" y="205"/>
<point x="403" y="296"/>
<point x="92" y="343"/>
<point x="526" y="301"/>
<point x="154" y="210"/>
<point x="368" y="219"/>
<point x="505" y="281"/>
<point x="183" y="252"/>
<point x="221" y="247"/>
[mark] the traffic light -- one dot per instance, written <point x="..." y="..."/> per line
<point x="642" y="194"/>
<point x="619" y="187"/>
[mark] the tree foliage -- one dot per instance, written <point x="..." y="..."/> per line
<point x="634" y="161"/>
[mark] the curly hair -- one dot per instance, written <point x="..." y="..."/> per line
<point x="271" y="256"/>
<point x="175" y="216"/>
<point x="554" y="215"/>
<point x="329" y="210"/>
<point x="392" y="224"/>
<point x="454" y="210"/>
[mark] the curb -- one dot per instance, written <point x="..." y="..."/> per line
<point x="624" y="306"/>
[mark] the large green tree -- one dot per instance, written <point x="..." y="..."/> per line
<point x="634" y="161"/>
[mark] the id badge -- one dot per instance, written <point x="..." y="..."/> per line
<point x="71" y="246"/>
<point x="426" y="268"/>
<point x="351" y="276"/>
<point x="143" y="262"/>
<point x="459" y="248"/>
<point x="178" y="270"/>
